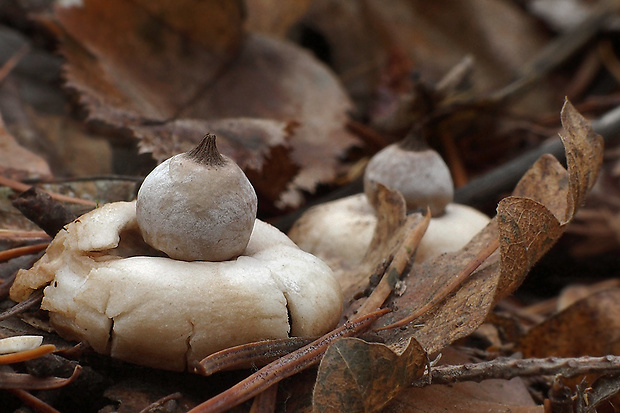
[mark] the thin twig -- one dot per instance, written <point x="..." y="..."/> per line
<point x="558" y="51"/>
<point x="454" y="159"/>
<point x="508" y="368"/>
<point x="284" y="367"/>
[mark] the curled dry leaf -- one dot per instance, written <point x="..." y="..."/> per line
<point x="527" y="225"/>
<point x="527" y="228"/>
<point x="169" y="76"/>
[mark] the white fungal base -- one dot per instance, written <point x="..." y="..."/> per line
<point x="169" y="314"/>
<point x="19" y="343"/>
<point x="340" y="232"/>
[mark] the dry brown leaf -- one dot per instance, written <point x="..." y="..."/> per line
<point x="462" y="312"/>
<point x="546" y="182"/>
<point x="18" y="162"/>
<point x="588" y="327"/>
<point x="138" y="66"/>
<point x="383" y="371"/>
<point x="527" y="229"/>
<point x="584" y="155"/>
<point x="433" y="36"/>
<point x="489" y="396"/>
<point x="274" y="17"/>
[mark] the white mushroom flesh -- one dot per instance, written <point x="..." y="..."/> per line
<point x="340" y="231"/>
<point x="169" y="314"/>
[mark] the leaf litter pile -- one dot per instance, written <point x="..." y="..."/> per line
<point x="94" y="94"/>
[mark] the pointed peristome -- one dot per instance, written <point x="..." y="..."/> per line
<point x="206" y="152"/>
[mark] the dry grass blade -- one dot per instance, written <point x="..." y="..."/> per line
<point x="29" y="382"/>
<point x="19" y="251"/>
<point x="285" y="366"/>
<point x="27" y="354"/>
<point x="249" y="355"/>
<point x="8" y="234"/>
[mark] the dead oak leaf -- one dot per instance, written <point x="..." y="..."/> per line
<point x="384" y="372"/>
<point x="588" y="327"/>
<point x="148" y="66"/>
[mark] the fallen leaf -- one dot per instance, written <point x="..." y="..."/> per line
<point x="499" y="36"/>
<point x="18" y="162"/>
<point x="462" y="312"/>
<point x="588" y="327"/>
<point x="527" y="230"/>
<point x="584" y="155"/>
<point x="274" y="17"/>
<point x="356" y="376"/>
<point x="155" y="70"/>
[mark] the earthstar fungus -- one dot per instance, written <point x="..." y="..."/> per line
<point x="340" y="231"/>
<point x="105" y="285"/>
